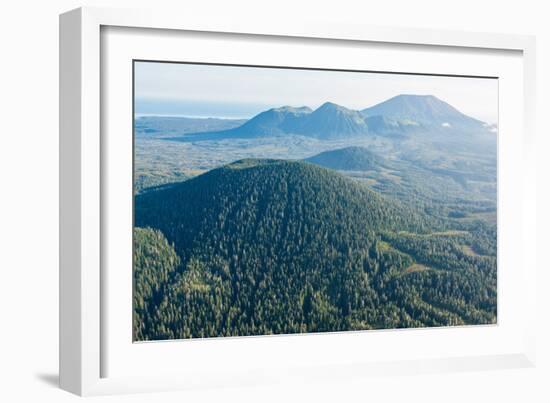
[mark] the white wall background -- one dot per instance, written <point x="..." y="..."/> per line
<point x="29" y="201"/>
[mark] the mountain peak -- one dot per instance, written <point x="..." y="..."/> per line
<point x="292" y="109"/>
<point x="331" y="106"/>
<point x="418" y="100"/>
<point x="423" y="109"/>
<point x="417" y="96"/>
<point x="331" y="120"/>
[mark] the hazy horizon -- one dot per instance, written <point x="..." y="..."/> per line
<point x="234" y="92"/>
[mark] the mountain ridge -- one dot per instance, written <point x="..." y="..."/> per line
<point x="400" y="115"/>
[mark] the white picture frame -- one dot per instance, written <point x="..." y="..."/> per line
<point x="83" y="172"/>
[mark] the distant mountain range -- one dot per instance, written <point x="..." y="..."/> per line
<point x="400" y="115"/>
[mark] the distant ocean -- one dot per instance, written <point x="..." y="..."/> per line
<point x="172" y="115"/>
<point x="197" y="109"/>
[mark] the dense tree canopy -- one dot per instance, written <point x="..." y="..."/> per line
<point x="271" y="246"/>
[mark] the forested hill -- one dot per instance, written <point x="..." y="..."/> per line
<point x="273" y="246"/>
<point x="268" y="198"/>
<point x="348" y="159"/>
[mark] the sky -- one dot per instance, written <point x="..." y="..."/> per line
<point x="177" y="89"/>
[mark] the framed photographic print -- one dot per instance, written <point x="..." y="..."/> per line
<point x="278" y="211"/>
<point x="247" y="203"/>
